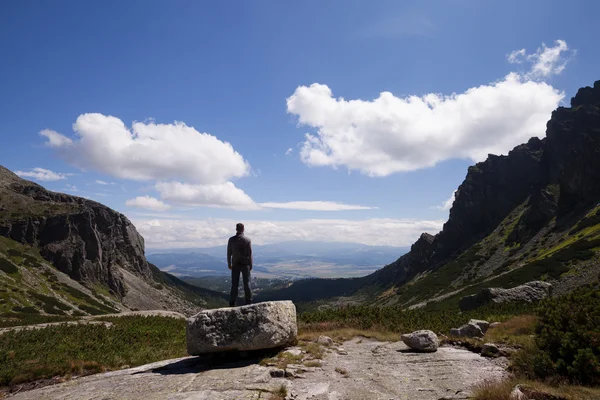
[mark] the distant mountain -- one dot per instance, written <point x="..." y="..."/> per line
<point x="532" y="214"/>
<point x="292" y="259"/>
<point x="62" y="254"/>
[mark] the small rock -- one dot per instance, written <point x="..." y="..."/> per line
<point x="325" y="341"/>
<point x="521" y="392"/>
<point x="424" y="340"/>
<point x="483" y="325"/>
<point x="495" y="324"/>
<point x="293" y="352"/>
<point x="277" y="373"/>
<point x="342" y="352"/>
<point x="489" y="350"/>
<point x="467" y="330"/>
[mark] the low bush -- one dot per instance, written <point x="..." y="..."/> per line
<point x="568" y="335"/>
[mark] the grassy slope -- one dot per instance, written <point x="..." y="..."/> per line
<point x="31" y="291"/>
<point x="83" y="349"/>
<point x="551" y="255"/>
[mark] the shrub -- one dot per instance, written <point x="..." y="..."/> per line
<point x="8" y="266"/>
<point x="568" y="335"/>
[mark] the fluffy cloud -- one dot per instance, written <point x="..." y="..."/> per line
<point x="315" y="206"/>
<point x="396" y="134"/>
<point x="447" y="204"/>
<point x="148" y="151"/>
<point x="168" y="233"/>
<point x="289" y="151"/>
<point x="216" y="195"/>
<point x="147" y="202"/>
<point x="42" y="174"/>
<point x="99" y="182"/>
<point x="546" y="61"/>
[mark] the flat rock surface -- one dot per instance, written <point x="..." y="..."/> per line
<point x="374" y="370"/>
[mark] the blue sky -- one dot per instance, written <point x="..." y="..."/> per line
<point x="221" y="91"/>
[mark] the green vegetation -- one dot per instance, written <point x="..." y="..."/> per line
<point x="7" y="266"/>
<point x="84" y="349"/>
<point x="440" y="279"/>
<point x="568" y="337"/>
<point x="393" y="319"/>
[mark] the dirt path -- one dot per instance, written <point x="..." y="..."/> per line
<point x="364" y="369"/>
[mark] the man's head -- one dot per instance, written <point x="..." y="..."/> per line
<point x="239" y="227"/>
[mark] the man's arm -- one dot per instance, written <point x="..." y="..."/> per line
<point x="250" y="251"/>
<point x="229" y="254"/>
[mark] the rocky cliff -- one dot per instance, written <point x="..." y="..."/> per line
<point x="89" y="242"/>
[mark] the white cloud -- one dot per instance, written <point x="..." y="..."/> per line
<point x="447" y="204"/>
<point x="164" y="233"/>
<point x="516" y="57"/>
<point x="42" y="174"/>
<point x="216" y="195"/>
<point x="99" y="182"/>
<point x="148" y="151"/>
<point x="147" y="202"/>
<point x="397" y="134"/>
<point x="546" y="61"/>
<point x="289" y="151"/>
<point x="315" y="206"/>
<point x="72" y="188"/>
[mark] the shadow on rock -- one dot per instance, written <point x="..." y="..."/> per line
<point x="226" y="360"/>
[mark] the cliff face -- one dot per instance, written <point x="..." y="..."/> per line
<point x="547" y="179"/>
<point x="92" y="244"/>
<point x="573" y="149"/>
<point x="82" y="238"/>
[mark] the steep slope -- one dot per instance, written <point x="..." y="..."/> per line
<point x="532" y="214"/>
<point x="61" y="244"/>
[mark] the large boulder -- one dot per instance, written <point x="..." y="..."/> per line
<point x="483" y="325"/>
<point x="258" y="326"/>
<point x="425" y="341"/>
<point x="529" y="293"/>
<point x="467" y="330"/>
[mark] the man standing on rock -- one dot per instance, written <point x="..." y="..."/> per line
<point x="239" y="259"/>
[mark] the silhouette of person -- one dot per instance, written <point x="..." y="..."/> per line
<point x="239" y="259"/>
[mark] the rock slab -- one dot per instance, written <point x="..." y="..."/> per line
<point x="253" y="327"/>
<point x="529" y="293"/>
<point x="424" y="341"/>
<point x="467" y="330"/>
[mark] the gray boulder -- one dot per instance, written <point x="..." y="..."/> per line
<point x="489" y="350"/>
<point x="425" y="341"/>
<point x="483" y="325"/>
<point x="467" y="330"/>
<point x="258" y="326"/>
<point x="529" y="293"/>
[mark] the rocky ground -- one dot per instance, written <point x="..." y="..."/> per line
<point x="355" y="370"/>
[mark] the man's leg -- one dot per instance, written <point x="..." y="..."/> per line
<point x="235" y="282"/>
<point x="247" y="286"/>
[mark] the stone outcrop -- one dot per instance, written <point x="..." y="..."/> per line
<point x="529" y="292"/>
<point x="489" y="350"/>
<point x="467" y="330"/>
<point x="483" y="325"/>
<point x="82" y="238"/>
<point x="424" y="341"/>
<point x="253" y="327"/>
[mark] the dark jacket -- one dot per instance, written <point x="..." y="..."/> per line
<point x="239" y="251"/>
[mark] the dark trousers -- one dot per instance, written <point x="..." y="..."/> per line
<point x="235" y="283"/>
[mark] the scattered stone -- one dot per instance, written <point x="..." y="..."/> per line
<point x="483" y="325"/>
<point x="425" y="341"/>
<point x="342" y="352"/>
<point x="325" y="341"/>
<point x="489" y="350"/>
<point x="467" y="330"/>
<point x="521" y="392"/>
<point x="529" y="292"/>
<point x="293" y="352"/>
<point x="253" y="327"/>
<point x="277" y="373"/>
